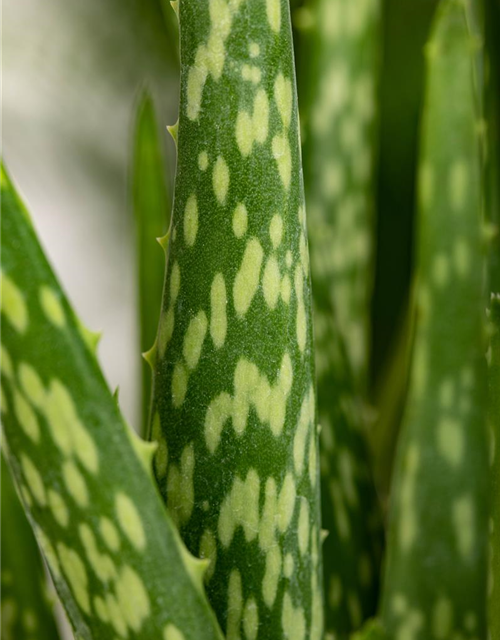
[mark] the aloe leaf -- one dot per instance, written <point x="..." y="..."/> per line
<point x="234" y="398"/>
<point x="337" y="51"/>
<point x="492" y="204"/>
<point x="435" y="582"/>
<point x="494" y="387"/>
<point x="26" y="608"/>
<point x="85" y="478"/>
<point x="152" y="213"/>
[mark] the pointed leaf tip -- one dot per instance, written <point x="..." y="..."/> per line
<point x="175" y="6"/>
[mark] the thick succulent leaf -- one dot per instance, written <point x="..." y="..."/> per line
<point x="494" y="415"/>
<point x="339" y="51"/>
<point x="234" y="395"/>
<point x="118" y="564"/>
<point x="27" y="611"/>
<point x="152" y="211"/>
<point x="492" y="106"/>
<point x="435" y="582"/>
<point x="338" y="48"/>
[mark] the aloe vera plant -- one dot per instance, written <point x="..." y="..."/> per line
<point x="234" y="398"/>
<point x="27" y="610"/>
<point x="152" y="211"/>
<point x="338" y="43"/>
<point x="85" y="479"/>
<point x="339" y="69"/>
<point x="435" y="582"/>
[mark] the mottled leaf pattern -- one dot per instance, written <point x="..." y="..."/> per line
<point x="337" y="54"/>
<point x="435" y="582"/>
<point x="338" y="65"/>
<point x="117" y="561"/>
<point x="234" y="394"/>
<point x="26" y="608"/>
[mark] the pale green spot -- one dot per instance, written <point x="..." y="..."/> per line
<point x="288" y="565"/>
<point x="283" y="97"/>
<point x="251" y="73"/>
<point x="276" y="230"/>
<point x="442" y="618"/>
<point x="33" y="480"/>
<point x="240" y="220"/>
<point x="303" y="529"/>
<point x="451" y="440"/>
<point x="286" y="289"/>
<point x="221" y="180"/>
<point x="101" y="564"/>
<point x="58" y="508"/>
<point x="234" y="605"/>
<point x="458" y="185"/>
<point x="130" y="521"/>
<point x="217" y="415"/>
<point x="271" y="282"/>
<point x="31" y="385"/>
<point x="251" y="619"/>
<point x="109" y="534"/>
<point x="283" y="156"/>
<point x="254" y="49"/>
<point x="75" y="484"/>
<point x="203" y="161"/>
<point x="194" y="338"/>
<point x="286" y="503"/>
<point x="13" y="304"/>
<point x="171" y="632"/>
<point x="273" y="10"/>
<point x="247" y="278"/>
<point x="463" y="515"/>
<point x="52" y="307"/>
<point x="218" y="317"/>
<point x="132" y="598"/>
<point x="301" y="322"/>
<point x="191" y="221"/>
<point x="179" y="384"/>
<point x="292" y="620"/>
<point x="75" y="572"/>
<point x="26" y="417"/>
<point x="271" y="575"/>
<point x="175" y="283"/>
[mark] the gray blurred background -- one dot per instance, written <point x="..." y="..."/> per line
<point x="72" y="72"/>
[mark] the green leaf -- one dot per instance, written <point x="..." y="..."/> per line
<point x="436" y="569"/>
<point x="84" y="476"/>
<point x="494" y="416"/>
<point x="338" y="48"/>
<point x="339" y="51"/>
<point x="26" y="608"/>
<point x="152" y="212"/>
<point x="233" y="390"/>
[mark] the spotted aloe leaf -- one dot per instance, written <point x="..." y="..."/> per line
<point x="435" y="582"/>
<point x="234" y="396"/>
<point x="494" y="390"/>
<point x="85" y="479"/>
<point x="26" y="607"/>
<point x="492" y="106"/>
<point x="338" y="48"/>
<point x="152" y="211"/>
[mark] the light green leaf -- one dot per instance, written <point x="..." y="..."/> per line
<point x="435" y="582"/>
<point x="152" y="212"/>
<point x="234" y="386"/>
<point x="117" y="562"/>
